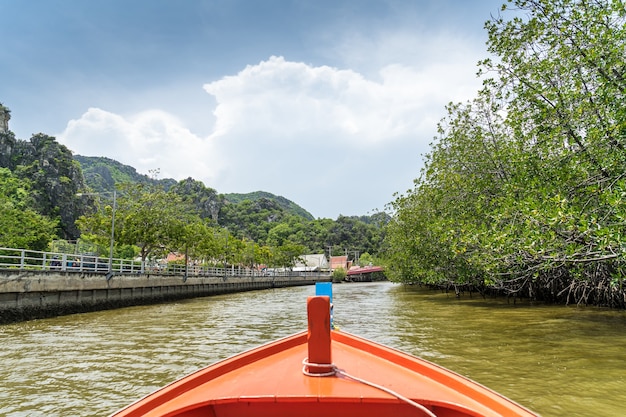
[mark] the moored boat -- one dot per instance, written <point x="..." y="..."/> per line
<point x="324" y="372"/>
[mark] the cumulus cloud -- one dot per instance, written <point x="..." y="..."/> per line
<point x="150" y="140"/>
<point x="284" y="98"/>
<point x="309" y="133"/>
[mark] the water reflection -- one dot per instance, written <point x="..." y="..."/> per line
<point x="559" y="361"/>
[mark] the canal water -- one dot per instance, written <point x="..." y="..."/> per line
<point x="558" y="361"/>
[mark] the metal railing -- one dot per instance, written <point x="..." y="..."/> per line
<point x="23" y="259"/>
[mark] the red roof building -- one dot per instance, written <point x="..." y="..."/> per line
<point x="337" y="262"/>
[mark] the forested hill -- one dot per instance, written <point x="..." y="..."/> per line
<point x="102" y="173"/>
<point x="258" y="216"/>
<point x="288" y="205"/>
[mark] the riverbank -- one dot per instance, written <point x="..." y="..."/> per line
<point x="28" y="295"/>
<point x="598" y="292"/>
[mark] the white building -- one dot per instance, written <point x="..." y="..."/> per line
<point x="314" y="262"/>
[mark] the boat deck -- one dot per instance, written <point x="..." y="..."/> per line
<point x="323" y="372"/>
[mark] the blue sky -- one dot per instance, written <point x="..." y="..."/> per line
<point x="331" y="104"/>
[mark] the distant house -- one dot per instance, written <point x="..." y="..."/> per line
<point x="314" y="262"/>
<point x="175" y="256"/>
<point x="337" y="262"/>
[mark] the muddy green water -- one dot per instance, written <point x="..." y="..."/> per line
<point x="558" y="361"/>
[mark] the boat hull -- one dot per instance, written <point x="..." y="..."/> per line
<point x="324" y="372"/>
<point x="268" y="381"/>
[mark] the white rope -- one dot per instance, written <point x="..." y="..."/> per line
<point x="306" y="363"/>
<point x="336" y="371"/>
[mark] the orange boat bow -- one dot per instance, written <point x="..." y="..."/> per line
<point x="343" y="375"/>
<point x="318" y="338"/>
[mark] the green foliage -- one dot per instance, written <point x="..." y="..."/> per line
<point x="260" y="217"/>
<point x="249" y="233"/>
<point x="55" y="179"/>
<point x="366" y="259"/>
<point x="351" y="233"/>
<point x="289" y="206"/>
<point x="152" y="219"/>
<point x="339" y="275"/>
<point x="252" y="219"/>
<point x="102" y="174"/>
<point x="525" y="183"/>
<point x="7" y="145"/>
<point x="206" y="201"/>
<point x="21" y="226"/>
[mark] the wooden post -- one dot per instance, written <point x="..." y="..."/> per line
<point x="319" y="339"/>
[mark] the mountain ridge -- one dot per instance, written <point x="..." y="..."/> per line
<point x="102" y="173"/>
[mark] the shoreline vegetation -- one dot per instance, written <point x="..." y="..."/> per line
<point x="523" y="192"/>
<point x="596" y="293"/>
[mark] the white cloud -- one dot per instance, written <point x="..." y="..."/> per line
<point x="283" y="99"/>
<point x="309" y="133"/>
<point x="150" y="140"/>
